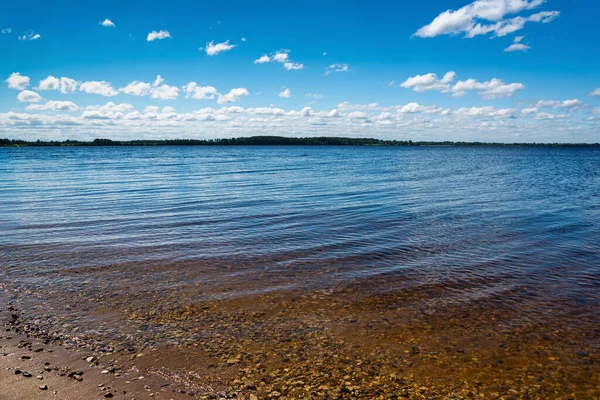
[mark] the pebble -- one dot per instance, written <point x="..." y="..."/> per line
<point x="43" y="387"/>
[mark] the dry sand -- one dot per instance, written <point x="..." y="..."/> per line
<point x="62" y="372"/>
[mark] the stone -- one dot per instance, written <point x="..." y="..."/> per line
<point x="43" y="387"/>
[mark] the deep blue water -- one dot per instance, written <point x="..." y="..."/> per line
<point x="478" y="220"/>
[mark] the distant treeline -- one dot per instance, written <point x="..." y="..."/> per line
<point x="274" y="141"/>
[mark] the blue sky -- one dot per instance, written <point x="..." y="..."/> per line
<point x="327" y="68"/>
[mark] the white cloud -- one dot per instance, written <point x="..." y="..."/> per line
<point x="17" y="81"/>
<point x="109" y="110"/>
<point x="285" y="94"/>
<point x="243" y="39"/>
<point x="574" y="104"/>
<point x="595" y="92"/>
<point x="137" y="88"/>
<point x="315" y="96"/>
<point x="492" y="89"/>
<point x="68" y="85"/>
<point x="102" y="88"/>
<point x="336" y="68"/>
<point x="548" y="116"/>
<point x="194" y="91"/>
<point x="517" y="45"/>
<point x="233" y="95"/>
<point x="30" y="36"/>
<point x="6" y="30"/>
<point x="156" y="90"/>
<point x="486" y="111"/>
<point x="417" y="108"/>
<point x="162" y="91"/>
<point x="65" y="85"/>
<point x="107" y="23"/>
<point x="361" y="115"/>
<point x="430" y="81"/>
<point x="262" y="60"/>
<point x="27" y="96"/>
<point x="280" y="57"/>
<point x="162" y="34"/>
<point x="529" y="111"/>
<point x="403" y="121"/>
<point x="213" y="49"/>
<point x="290" y="66"/>
<point x="52" y="105"/>
<point x="486" y="16"/>
<point x="596" y="111"/>
<point x="346" y="106"/>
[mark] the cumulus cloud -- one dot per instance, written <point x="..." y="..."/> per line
<point x="30" y="36"/>
<point x="405" y="121"/>
<point x="413" y="107"/>
<point x="573" y="104"/>
<point x="17" y="81"/>
<point x="107" y="23"/>
<point x="486" y="16"/>
<point x="6" y="30"/>
<point x="102" y="88"/>
<point x="285" y="94"/>
<point x="27" y="96"/>
<point x="156" y="90"/>
<point x="63" y="84"/>
<point x="109" y="110"/>
<point x="595" y="92"/>
<point x="194" y="91"/>
<point x="430" y="81"/>
<point x="492" y="89"/>
<point x="486" y="111"/>
<point x="162" y="91"/>
<point x="213" y="49"/>
<point x="291" y="66"/>
<point x="548" y="116"/>
<point x="262" y="60"/>
<point x="281" y="57"/>
<point x="360" y="115"/>
<point x="233" y="95"/>
<point x="517" y="45"/>
<point x="162" y="34"/>
<point x="489" y="90"/>
<point x="52" y="105"/>
<point x="336" y="68"/>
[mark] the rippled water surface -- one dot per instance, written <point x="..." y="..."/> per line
<point x="470" y="272"/>
<point x="474" y="219"/>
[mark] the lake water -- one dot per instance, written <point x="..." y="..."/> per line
<point x="517" y="228"/>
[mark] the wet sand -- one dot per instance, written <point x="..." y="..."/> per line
<point x="331" y="344"/>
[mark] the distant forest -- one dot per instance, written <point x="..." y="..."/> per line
<point x="275" y="141"/>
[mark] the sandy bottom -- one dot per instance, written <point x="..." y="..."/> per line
<point x="329" y="344"/>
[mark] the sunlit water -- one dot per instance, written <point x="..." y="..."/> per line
<point x="476" y="220"/>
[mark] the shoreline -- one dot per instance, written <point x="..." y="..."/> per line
<point x="287" y="346"/>
<point x="37" y="365"/>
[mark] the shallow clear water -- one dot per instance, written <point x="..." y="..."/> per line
<point x="476" y="220"/>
